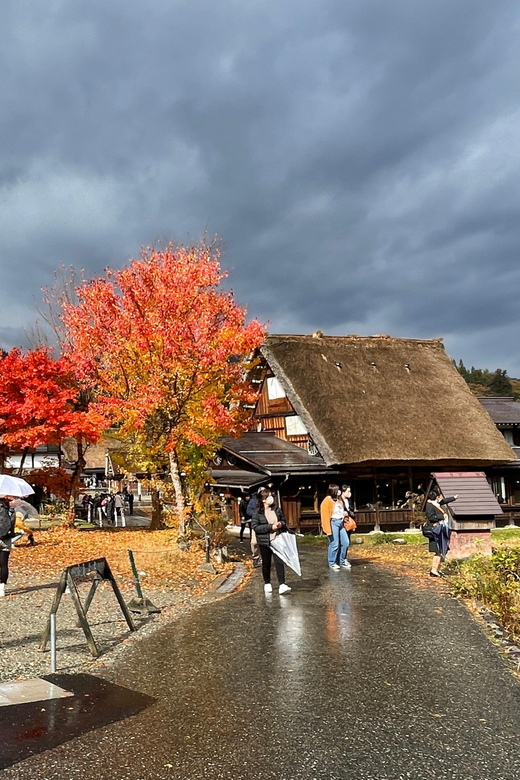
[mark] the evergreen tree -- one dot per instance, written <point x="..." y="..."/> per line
<point x="500" y="384"/>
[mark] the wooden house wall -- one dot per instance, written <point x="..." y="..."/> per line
<point x="266" y="406"/>
<point x="271" y="415"/>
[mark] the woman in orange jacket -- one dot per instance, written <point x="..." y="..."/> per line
<point x="332" y="512"/>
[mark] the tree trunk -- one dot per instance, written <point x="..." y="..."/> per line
<point x="4" y="453"/>
<point x="74" y="483"/>
<point x="179" y="497"/>
<point x="22" y="461"/>
<point x="156" y="521"/>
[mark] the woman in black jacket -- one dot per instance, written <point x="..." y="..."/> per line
<point x="266" y="522"/>
<point x="7" y="521"/>
<point x="439" y="540"/>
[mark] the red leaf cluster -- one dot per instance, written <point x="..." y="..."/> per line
<point x="39" y="401"/>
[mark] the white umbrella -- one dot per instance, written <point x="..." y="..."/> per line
<point x="284" y="546"/>
<point x="14" y="486"/>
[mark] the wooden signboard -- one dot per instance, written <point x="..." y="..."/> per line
<point x="101" y="571"/>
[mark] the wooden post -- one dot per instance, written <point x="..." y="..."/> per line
<point x="82" y="617"/>
<point x="376" y="503"/>
<point x="124" y="609"/>
<point x="102" y="572"/>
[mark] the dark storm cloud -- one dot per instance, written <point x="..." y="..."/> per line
<point x="359" y="159"/>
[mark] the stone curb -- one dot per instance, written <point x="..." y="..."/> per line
<point x="232" y="581"/>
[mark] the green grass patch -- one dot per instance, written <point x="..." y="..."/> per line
<point x="367" y="540"/>
<point x="504" y="534"/>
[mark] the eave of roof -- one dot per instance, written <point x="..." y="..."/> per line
<point x="237" y="478"/>
<point x="265" y="451"/>
<point x="503" y="410"/>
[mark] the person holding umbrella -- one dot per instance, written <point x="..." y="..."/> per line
<point x="10" y="488"/>
<point x="7" y="521"/>
<point x="267" y="522"/>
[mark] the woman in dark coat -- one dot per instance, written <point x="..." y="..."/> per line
<point x="440" y="540"/>
<point x="266" y="522"/>
<point x="7" y="521"/>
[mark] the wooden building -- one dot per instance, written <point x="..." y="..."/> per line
<point x="263" y="459"/>
<point x="505" y="479"/>
<point x="473" y="514"/>
<point x="380" y="413"/>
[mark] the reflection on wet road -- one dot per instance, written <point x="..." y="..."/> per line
<point x="353" y="675"/>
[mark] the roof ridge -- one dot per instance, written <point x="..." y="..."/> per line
<point x="319" y="336"/>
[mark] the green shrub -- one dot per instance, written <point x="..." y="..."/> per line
<point x="495" y="581"/>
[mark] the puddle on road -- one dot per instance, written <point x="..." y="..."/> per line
<point x="33" y="727"/>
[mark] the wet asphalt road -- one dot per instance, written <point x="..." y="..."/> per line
<point x="352" y="675"/>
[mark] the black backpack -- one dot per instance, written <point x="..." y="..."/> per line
<point x="6" y="521"/>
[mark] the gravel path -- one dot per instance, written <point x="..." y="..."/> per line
<point x="25" y="609"/>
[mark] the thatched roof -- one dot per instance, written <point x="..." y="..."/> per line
<point x="380" y="400"/>
<point x="95" y="454"/>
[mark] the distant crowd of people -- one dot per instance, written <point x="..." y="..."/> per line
<point x="108" y="507"/>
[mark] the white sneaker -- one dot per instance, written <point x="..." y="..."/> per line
<point x="335" y="567"/>
<point x="346" y="565"/>
<point x="2" y="589"/>
<point x="268" y="588"/>
<point x="284" y="589"/>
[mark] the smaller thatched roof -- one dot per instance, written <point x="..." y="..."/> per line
<point x="95" y="454"/>
<point x="380" y="400"/>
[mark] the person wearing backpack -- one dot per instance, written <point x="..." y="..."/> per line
<point x="7" y="521"/>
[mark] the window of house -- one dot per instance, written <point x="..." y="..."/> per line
<point x="306" y="497"/>
<point x="508" y="436"/>
<point x="274" y="388"/>
<point x="498" y="486"/>
<point x="294" y="426"/>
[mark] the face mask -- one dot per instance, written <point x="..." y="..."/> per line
<point x="269" y="500"/>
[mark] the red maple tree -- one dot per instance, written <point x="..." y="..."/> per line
<point x="166" y="347"/>
<point x="41" y="403"/>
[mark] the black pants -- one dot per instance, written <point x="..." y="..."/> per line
<point x="267" y="556"/>
<point x="243" y="524"/>
<point x="4" y="566"/>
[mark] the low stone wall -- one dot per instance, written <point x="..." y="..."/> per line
<point x="466" y="543"/>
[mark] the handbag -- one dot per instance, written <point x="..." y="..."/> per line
<point x="349" y="524"/>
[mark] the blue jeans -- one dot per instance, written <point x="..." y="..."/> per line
<point x="339" y="542"/>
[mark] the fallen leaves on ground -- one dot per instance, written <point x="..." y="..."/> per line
<point x="159" y="561"/>
<point x="409" y="560"/>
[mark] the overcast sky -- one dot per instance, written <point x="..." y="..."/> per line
<point x="359" y="158"/>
